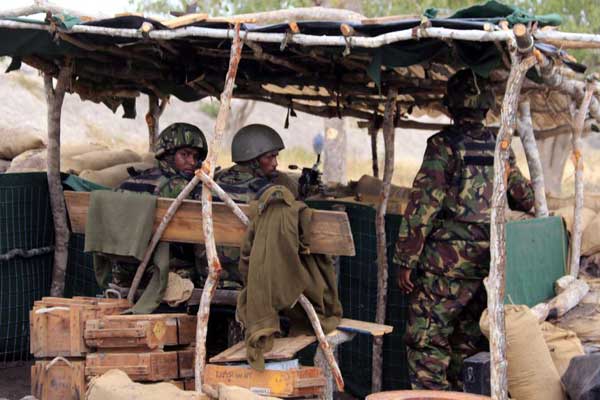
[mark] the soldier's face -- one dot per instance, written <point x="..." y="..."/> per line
<point x="186" y="159"/>
<point x="268" y="162"/>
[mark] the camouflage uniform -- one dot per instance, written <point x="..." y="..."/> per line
<point x="166" y="181"/>
<point x="444" y="239"/>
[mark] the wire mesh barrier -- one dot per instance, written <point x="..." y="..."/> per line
<point x="358" y="294"/>
<point x="80" y="279"/>
<point x="25" y="224"/>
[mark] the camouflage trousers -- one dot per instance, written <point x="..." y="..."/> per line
<point x="443" y="329"/>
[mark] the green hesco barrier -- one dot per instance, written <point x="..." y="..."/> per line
<point x="358" y="294"/>
<point x="25" y="223"/>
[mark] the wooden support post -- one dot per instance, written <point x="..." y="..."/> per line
<point x="155" y="111"/>
<point x="578" y="164"/>
<point x="152" y="121"/>
<point x="495" y="283"/>
<point x="323" y="343"/>
<point x="525" y="127"/>
<point x="207" y="224"/>
<point x="54" y="99"/>
<point x="373" y="131"/>
<point x="382" y="263"/>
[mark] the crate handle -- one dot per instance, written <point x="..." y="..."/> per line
<point x="50" y="309"/>
<point x="57" y="359"/>
<point x="113" y="291"/>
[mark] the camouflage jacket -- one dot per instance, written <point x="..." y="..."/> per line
<point x="162" y="181"/>
<point x="446" y="225"/>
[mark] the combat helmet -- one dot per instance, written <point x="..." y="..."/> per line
<point x="466" y="90"/>
<point x="178" y="135"/>
<point x="252" y="141"/>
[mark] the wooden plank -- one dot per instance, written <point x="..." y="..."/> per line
<point x="330" y="230"/>
<point x="283" y="349"/>
<point x="60" y="381"/>
<point x="306" y="381"/>
<point x="351" y="325"/>
<point x="185" y="361"/>
<point x="184" y="20"/>
<point x="153" y="366"/>
<point x="223" y="297"/>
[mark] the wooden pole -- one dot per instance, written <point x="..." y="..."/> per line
<point x="382" y="263"/>
<point x="495" y="284"/>
<point x="207" y="222"/>
<point x="577" y="158"/>
<point x="54" y="100"/>
<point x="525" y="127"/>
<point x="301" y="39"/>
<point x="152" y="120"/>
<point x="373" y="131"/>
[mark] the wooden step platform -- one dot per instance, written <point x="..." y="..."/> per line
<point x="283" y="349"/>
<point x="330" y="230"/>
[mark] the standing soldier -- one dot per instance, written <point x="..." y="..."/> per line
<point x="444" y="237"/>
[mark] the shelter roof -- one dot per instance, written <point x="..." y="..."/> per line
<point x="326" y="67"/>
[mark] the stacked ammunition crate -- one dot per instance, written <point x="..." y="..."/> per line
<point x="74" y="340"/>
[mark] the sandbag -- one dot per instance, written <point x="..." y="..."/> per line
<point x="590" y="239"/>
<point x="582" y="379"/>
<point x="563" y="345"/>
<point x="113" y="176"/>
<point x="584" y="320"/>
<point x="101" y="159"/>
<point x="148" y="158"/>
<point x="68" y="150"/>
<point x="4" y="165"/>
<point x="368" y="190"/>
<point x="116" y="385"/>
<point x="178" y="290"/>
<point x="531" y="372"/>
<point x="513" y="215"/>
<point x="590" y="200"/>
<point x="36" y="161"/>
<point x="11" y="145"/>
<point x="587" y="215"/>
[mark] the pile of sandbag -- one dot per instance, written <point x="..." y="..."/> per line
<point x="367" y="191"/>
<point x="13" y="145"/>
<point x="532" y="373"/>
<point x="93" y="162"/>
<point x="116" y="385"/>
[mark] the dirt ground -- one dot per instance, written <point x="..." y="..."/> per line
<point x="15" y="380"/>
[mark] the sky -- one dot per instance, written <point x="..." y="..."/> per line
<point x="87" y="6"/>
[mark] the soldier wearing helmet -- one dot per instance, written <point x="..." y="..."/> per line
<point x="442" y="253"/>
<point x="254" y="151"/>
<point x="180" y="150"/>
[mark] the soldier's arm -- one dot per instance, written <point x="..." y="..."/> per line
<point x="520" y="191"/>
<point x="426" y="198"/>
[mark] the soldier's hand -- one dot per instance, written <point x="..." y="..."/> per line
<point x="404" y="282"/>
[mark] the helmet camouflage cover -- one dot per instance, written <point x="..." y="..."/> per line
<point x="178" y="135"/>
<point x="466" y="90"/>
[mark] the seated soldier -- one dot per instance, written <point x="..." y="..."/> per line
<point x="254" y="151"/>
<point x="181" y="148"/>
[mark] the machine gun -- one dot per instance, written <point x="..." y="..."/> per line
<point x="310" y="183"/>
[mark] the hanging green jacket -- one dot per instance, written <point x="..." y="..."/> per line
<point x="278" y="267"/>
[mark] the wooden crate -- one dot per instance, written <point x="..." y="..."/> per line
<point x="185" y="362"/>
<point x="57" y="324"/>
<point x="58" y="380"/>
<point x="306" y="381"/>
<point x="145" y="367"/>
<point x="146" y="332"/>
<point x="185" y="384"/>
